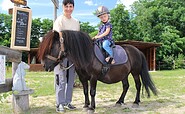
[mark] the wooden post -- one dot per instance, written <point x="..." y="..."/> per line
<point x="20" y="100"/>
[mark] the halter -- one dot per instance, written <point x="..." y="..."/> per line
<point x="62" y="52"/>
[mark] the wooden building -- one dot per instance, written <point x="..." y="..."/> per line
<point x="148" y="48"/>
<point x="35" y="64"/>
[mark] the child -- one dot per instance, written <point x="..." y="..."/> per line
<point x="105" y="32"/>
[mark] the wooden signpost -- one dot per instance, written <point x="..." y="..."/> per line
<point x="21" y="28"/>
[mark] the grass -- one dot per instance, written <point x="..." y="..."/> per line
<point x="170" y="85"/>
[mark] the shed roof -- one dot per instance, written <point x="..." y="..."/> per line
<point x="139" y="44"/>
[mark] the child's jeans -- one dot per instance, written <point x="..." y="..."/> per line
<point x="106" y="46"/>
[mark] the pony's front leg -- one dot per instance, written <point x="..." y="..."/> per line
<point x="85" y="90"/>
<point x="93" y="83"/>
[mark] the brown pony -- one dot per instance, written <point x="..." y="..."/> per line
<point x="78" y="47"/>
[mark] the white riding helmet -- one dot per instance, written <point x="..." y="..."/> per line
<point x="102" y="10"/>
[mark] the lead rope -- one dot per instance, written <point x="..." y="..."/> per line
<point x="66" y="68"/>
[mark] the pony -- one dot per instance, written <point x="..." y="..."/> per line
<point x="78" y="47"/>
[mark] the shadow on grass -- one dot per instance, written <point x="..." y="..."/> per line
<point x="144" y="107"/>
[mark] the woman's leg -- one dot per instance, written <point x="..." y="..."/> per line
<point x="60" y="84"/>
<point x="70" y="83"/>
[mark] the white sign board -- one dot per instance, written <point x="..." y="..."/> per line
<point x="2" y="69"/>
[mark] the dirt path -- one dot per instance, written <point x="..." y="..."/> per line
<point x="105" y="104"/>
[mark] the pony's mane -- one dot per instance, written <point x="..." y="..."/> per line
<point x="46" y="44"/>
<point x="79" y="46"/>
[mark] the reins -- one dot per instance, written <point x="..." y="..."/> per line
<point x="65" y="68"/>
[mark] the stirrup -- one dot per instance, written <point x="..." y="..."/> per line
<point x="105" y="69"/>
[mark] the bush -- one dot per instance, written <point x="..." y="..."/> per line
<point x="168" y="63"/>
<point x="180" y="62"/>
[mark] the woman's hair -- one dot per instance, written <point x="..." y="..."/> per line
<point x="65" y="2"/>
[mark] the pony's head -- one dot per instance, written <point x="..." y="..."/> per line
<point x="75" y="45"/>
<point x="48" y="51"/>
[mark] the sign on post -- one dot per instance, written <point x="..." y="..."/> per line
<point x="21" y="28"/>
<point x="2" y="69"/>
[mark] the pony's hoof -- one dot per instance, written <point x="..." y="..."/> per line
<point x="90" y="112"/>
<point x="124" y="106"/>
<point x="85" y="109"/>
<point x="135" y="105"/>
<point x="117" y="105"/>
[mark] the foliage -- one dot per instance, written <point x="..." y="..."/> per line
<point x="92" y="34"/>
<point x="5" y="29"/>
<point x="3" y="96"/>
<point x="180" y="62"/>
<point x="161" y="22"/>
<point x="120" y="22"/>
<point x="167" y="63"/>
<point x="39" y="28"/>
<point x="86" y="27"/>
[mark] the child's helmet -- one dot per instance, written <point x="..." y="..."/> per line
<point x="101" y="10"/>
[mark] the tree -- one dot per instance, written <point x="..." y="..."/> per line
<point x="86" y="27"/>
<point x="46" y="25"/>
<point x="120" y="20"/>
<point x="39" y="28"/>
<point x="161" y="21"/>
<point x="5" y="29"/>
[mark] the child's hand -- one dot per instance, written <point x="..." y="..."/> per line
<point x="93" y="38"/>
<point x="96" y="37"/>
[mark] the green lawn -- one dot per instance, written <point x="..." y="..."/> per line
<point x="170" y="85"/>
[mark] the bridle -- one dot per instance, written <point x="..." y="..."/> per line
<point x="61" y="54"/>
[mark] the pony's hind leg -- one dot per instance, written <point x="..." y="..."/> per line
<point x="125" y="85"/>
<point x="138" y="87"/>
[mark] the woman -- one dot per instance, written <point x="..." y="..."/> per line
<point x="65" y="79"/>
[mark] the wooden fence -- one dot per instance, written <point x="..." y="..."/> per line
<point x="20" y="101"/>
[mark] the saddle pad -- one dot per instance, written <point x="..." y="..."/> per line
<point x="120" y="55"/>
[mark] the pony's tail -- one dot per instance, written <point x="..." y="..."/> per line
<point x="146" y="78"/>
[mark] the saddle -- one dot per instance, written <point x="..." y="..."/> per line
<point x="119" y="55"/>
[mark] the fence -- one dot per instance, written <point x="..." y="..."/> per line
<point x="20" y="101"/>
<point x="162" y="65"/>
